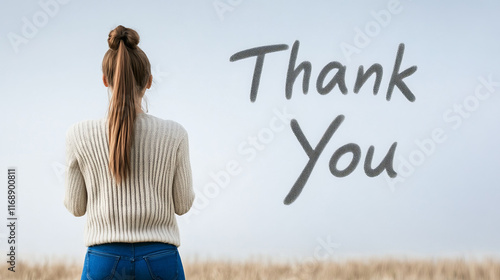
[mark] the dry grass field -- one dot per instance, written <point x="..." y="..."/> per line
<point x="353" y="269"/>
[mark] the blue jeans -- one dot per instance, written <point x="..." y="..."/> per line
<point x="126" y="261"/>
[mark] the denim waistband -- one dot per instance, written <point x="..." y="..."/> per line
<point x="132" y="250"/>
<point x="132" y="244"/>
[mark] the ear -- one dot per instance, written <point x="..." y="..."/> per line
<point x="150" y="81"/>
<point x="105" y="81"/>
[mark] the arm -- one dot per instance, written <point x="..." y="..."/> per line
<point x="183" y="192"/>
<point x="75" y="197"/>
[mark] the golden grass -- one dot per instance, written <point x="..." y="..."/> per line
<point x="383" y="269"/>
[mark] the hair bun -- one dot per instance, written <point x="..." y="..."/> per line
<point x="129" y="36"/>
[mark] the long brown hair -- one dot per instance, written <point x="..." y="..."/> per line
<point x="127" y="70"/>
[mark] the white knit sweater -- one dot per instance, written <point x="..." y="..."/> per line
<point x="142" y="207"/>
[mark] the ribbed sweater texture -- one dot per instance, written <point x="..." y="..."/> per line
<point x="141" y="208"/>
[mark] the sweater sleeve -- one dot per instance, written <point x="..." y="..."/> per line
<point x="75" y="197"/>
<point x="183" y="192"/>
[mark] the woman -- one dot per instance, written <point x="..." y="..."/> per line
<point x="130" y="172"/>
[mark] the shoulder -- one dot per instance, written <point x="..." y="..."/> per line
<point x="172" y="127"/>
<point x="80" y="129"/>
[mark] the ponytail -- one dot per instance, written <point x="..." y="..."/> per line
<point x="127" y="70"/>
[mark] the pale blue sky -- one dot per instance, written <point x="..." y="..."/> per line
<point x="445" y="204"/>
